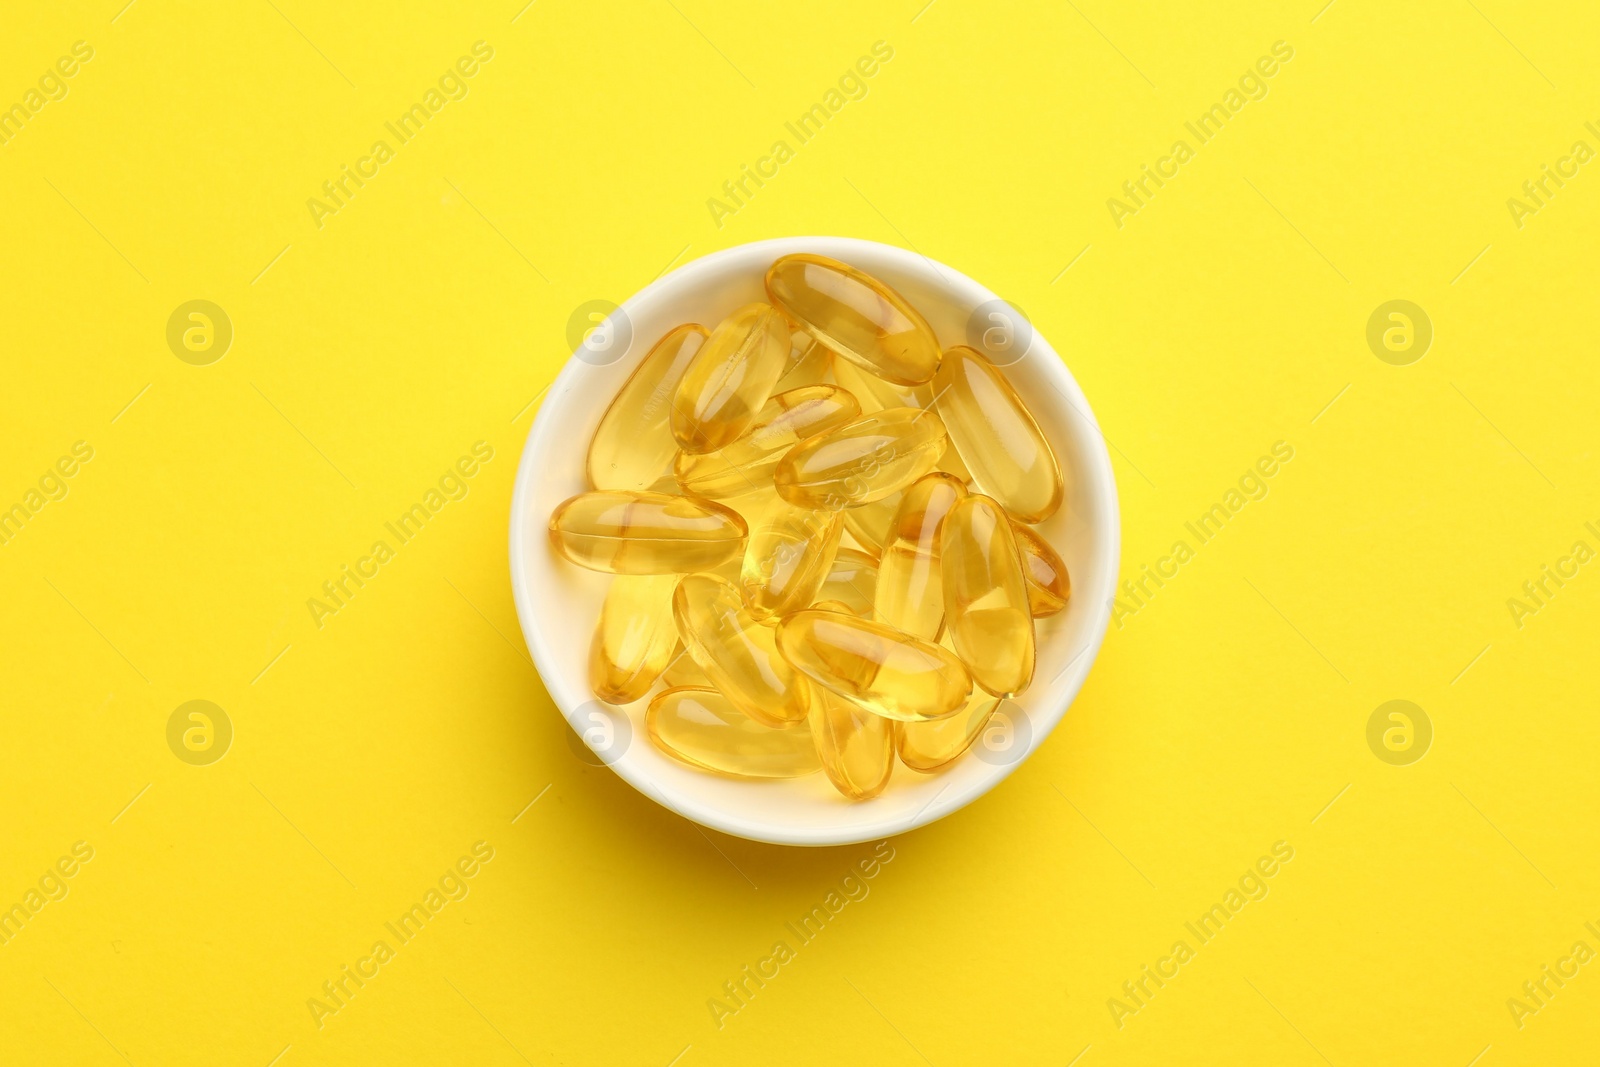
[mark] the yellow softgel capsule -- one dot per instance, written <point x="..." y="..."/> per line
<point x="702" y="728"/>
<point x="864" y="460"/>
<point x="645" y="533"/>
<point x="634" y="443"/>
<point x="931" y="746"/>
<point x="729" y="379"/>
<point x="856" y="747"/>
<point x="635" y="638"/>
<point x="784" y="421"/>
<point x="878" y="667"/>
<point x="855" y="315"/>
<point x="683" y="670"/>
<point x="874" y="393"/>
<point x="810" y="363"/>
<point x="997" y="437"/>
<point x="869" y="524"/>
<point x="787" y="557"/>
<point x="738" y="654"/>
<point x="910" y="594"/>
<point x="986" y="596"/>
<point x="852" y="581"/>
<point x="1049" y="585"/>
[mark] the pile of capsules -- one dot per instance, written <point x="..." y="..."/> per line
<point x="726" y="473"/>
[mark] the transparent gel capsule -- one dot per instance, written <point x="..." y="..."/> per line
<point x="783" y="422"/>
<point x="864" y="460"/>
<point x="683" y="670"/>
<point x="729" y="379"/>
<point x="702" y="728"/>
<point x="874" y="393"/>
<point x="855" y="315"/>
<point x="833" y="605"/>
<point x="910" y="593"/>
<point x="986" y="596"/>
<point x="869" y="524"/>
<point x="998" y="439"/>
<point x="951" y="463"/>
<point x="878" y="667"/>
<point x="1049" y="585"/>
<point x="645" y="533"/>
<point x="635" y="638"/>
<point x="931" y="746"/>
<point x="738" y="654"/>
<point x="852" y="581"/>
<point x="809" y="363"/>
<point x="787" y="557"/>
<point x="634" y="443"/>
<point x="855" y="746"/>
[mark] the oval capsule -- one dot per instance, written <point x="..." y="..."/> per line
<point x="931" y="746"/>
<point x="784" y="421"/>
<point x="729" y="379"/>
<point x="1049" y="585"/>
<point x="634" y="442"/>
<point x="997" y="437"/>
<point x="702" y="728"/>
<point x="855" y="315"/>
<point x="986" y="596"/>
<point x="738" y="654"/>
<point x="645" y="533"/>
<point x="855" y="747"/>
<point x="910" y="594"/>
<point x="888" y="672"/>
<point x="852" y="581"/>
<point x="787" y="557"/>
<point x="869" y="524"/>
<point x="864" y="460"/>
<point x="635" y="638"/>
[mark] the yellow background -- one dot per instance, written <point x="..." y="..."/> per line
<point x="369" y="354"/>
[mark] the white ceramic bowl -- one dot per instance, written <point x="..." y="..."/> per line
<point x="558" y="603"/>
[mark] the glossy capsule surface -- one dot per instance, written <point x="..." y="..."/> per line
<point x="910" y="593"/>
<point x="851" y="581"/>
<point x="888" y="672"/>
<point x="702" y="728"/>
<point x="810" y="362"/>
<point x="784" y="421"/>
<point x="645" y="533"/>
<point x="874" y="393"/>
<point x="635" y="638"/>
<point x="787" y="557"/>
<point x="738" y="654"/>
<point x="1049" y="585"/>
<point x="683" y="670"/>
<point x="932" y="746"/>
<point x="997" y="437"/>
<point x="634" y="442"/>
<point x="729" y="379"/>
<point x="864" y="460"/>
<point x="855" y="315"/>
<point x="869" y="524"/>
<point x="986" y="596"/>
<point x="856" y="747"/>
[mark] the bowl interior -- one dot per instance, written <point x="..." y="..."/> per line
<point x="558" y="603"/>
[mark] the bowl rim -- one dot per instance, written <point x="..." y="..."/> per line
<point x="1106" y="520"/>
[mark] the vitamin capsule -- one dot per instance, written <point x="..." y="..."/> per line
<point x="634" y="443"/>
<point x="874" y="393"/>
<point x="702" y="728"/>
<point x="787" y="557"/>
<point x="809" y="363"/>
<point x="855" y="746"/>
<point x="869" y="524"/>
<point x="832" y="605"/>
<point x="645" y="533"/>
<point x="853" y="581"/>
<point x="951" y="463"/>
<point x="910" y="593"/>
<point x="864" y="460"/>
<point x="932" y="746"/>
<point x="729" y="379"/>
<point x="783" y="422"/>
<point x="986" y="596"/>
<point x="998" y="439"/>
<point x="738" y="654"/>
<point x="634" y="640"/>
<point x="1049" y="585"/>
<point x="857" y="316"/>
<point x="878" y="667"/>
<point x="683" y="671"/>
